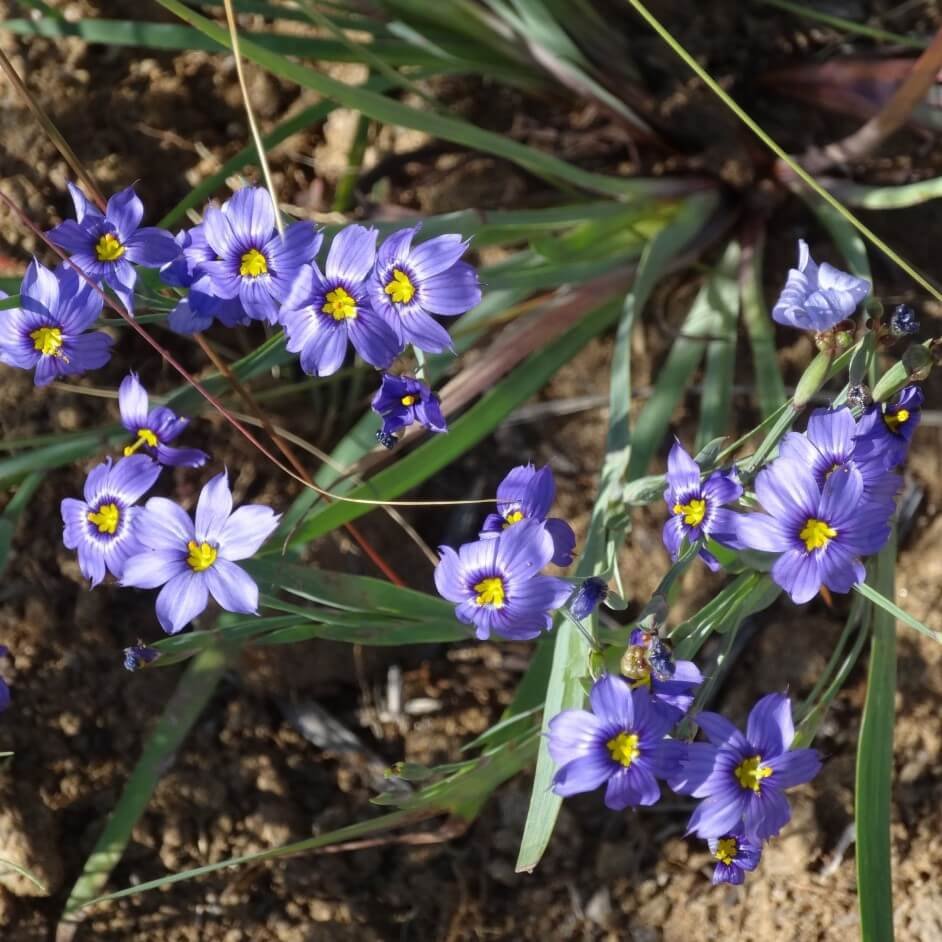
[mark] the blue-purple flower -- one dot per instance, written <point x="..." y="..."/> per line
<point x="830" y="444"/>
<point x="496" y="585"/>
<point x="697" y="508"/>
<point x="196" y="311"/>
<point x="620" y="743"/>
<point x="326" y="310"/>
<point x="742" y="778"/>
<point x="107" y="246"/>
<point x="104" y="527"/>
<point x="195" y="560"/>
<point x="527" y="494"/>
<point x="817" y="297"/>
<point x="818" y="533"/>
<point x="884" y="434"/>
<point x="735" y="854"/>
<point x="47" y="332"/>
<point x="401" y="401"/>
<point x="4" y="686"/>
<point x="255" y="264"/>
<point x="590" y="594"/>
<point x="154" y="429"/>
<point x="411" y="283"/>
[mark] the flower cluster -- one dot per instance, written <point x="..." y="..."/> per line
<point x="622" y="741"/>
<point x="496" y="581"/>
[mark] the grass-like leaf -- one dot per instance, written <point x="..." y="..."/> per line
<point x="874" y="595"/>
<point x="873" y="799"/>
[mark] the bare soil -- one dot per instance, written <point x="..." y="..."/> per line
<point x="246" y="779"/>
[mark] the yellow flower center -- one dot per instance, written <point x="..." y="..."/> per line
<point x="726" y="850"/>
<point x="693" y="512"/>
<point x="400" y="289"/>
<point x="750" y="772"/>
<point x="108" y="248"/>
<point x="898" y="418"/>
<point x="144" y="437"/>
<point x="490" y="592"/>
<point x="817" y="534"/>
<point x="201" y="557"/>
<point x="408" y="400"/>
<point x="47" y="340"/>
<point x="106" y="518"/>
<point x="515" y="516"/>
<point x="253" y="264"/>
<point x="624" y="748"/>
<point x="339" y="305"/>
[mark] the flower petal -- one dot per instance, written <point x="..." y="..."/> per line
<point x="351" y="255"/>
<point x="213" y="509"/>
<point x="232" y="587"/>
<point x="246" y="530"/>
<point x="183" y="598"/>
<point x="770" y="728"/>
<point x="132" y="403"/>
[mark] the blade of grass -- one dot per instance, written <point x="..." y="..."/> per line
<point x="182" y="710"/>
<point x="885" y="604"/>
<point x="873" y="798"/>
<point x="770" y="387"/>
<point x="721" y="351"/>
<point x="885" y="197"/>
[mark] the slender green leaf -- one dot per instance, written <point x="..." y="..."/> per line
<point x="875" y="766"/>
<point x="886" y="197"/>
<point x="721" y="351"/>
<point x="770" y="387"/>
<point x="873" y="594"/>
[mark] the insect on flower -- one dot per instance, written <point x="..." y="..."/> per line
<point x="402" y="401"/>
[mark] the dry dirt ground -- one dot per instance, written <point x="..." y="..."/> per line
<point x="245" y="779"/>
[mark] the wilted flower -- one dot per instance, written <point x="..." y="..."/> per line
<point x="402" y="401"/>
<point x="817" y="297"/>
<point x="152" y="430"/>
<point x="735" y="854"/>
<point x="326" y="310"/>
<point x="196" y="311"/>
<point x="820" y="533"/>
<point x="497" y="585"/>
<point x="193" y="561"/>
<point x="742" y="779"/>
<point x="829" y="444"/>
<point x="619" y="744"/>
<point x="697" y="509"/>
<point x="255" y="264"/>
<point x="528" y="494"/>
<point x="411" y="283"/>
<point x="903" y="321"/>
<point x="104" y="527"/>
<point x="588" y="596"/>
<point x="884" y="435"/>
<point x="47" y="332"/>
<point x="108" y="246"/>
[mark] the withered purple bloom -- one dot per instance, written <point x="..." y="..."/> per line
<point x="154" y="429"/>
<point x="527" y="494"/>
<point x="817" y="297"/>
<point x="411" y="283"/>
<point x="107" y="246"/>
<point x="697" y="508"/>
<point x="48" y="331"/>
<point x="588" y="596"/>
<point x="193" y="560"/>
<point x="103" y="528"/>
<point x="402" y="401"/>
<point x="742" y="779"/>
<point x="620" y="743"/>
